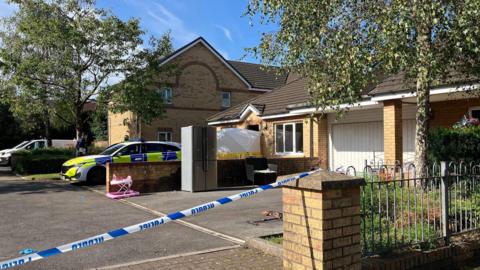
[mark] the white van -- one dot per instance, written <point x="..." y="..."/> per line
<point x="6" y="154"/>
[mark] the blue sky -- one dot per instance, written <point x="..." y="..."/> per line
<point x="220" y="22"/>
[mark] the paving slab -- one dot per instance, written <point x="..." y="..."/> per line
<point x="238" y="258"/>
<point x="45" y="214"/>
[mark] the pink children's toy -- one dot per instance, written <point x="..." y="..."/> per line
<point x="124" y="185"/>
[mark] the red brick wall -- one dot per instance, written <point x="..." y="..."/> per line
<point x="447" y="113"/>
<point x="147" y="177"/>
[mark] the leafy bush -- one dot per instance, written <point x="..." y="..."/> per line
<point x="454" y="144"/>
<point x="41" y="160"/>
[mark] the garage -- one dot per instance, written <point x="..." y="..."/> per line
<point x="359" y="136"/>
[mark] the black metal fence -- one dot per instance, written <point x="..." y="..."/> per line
<point x="400" y="209"/>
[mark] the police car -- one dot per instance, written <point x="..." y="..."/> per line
<point x="92" y="168"/>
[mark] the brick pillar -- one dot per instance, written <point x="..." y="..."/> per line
<point x="323" y="141"/>
<point x="321" y="222"/>
<point x="392" y="131"/>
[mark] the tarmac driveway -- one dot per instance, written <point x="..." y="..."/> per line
<point x="242" y="218"/>
<point x="45" y="214"/>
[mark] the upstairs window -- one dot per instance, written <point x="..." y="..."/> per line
<point x="226" y="99"/>
<point x="167" y="95"/>
<point x="289" y="138"/>
<point x="165" y="136"/>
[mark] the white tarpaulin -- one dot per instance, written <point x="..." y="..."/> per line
<point x="238" y="143"/>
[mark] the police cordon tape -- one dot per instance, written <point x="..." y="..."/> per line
<point x="98" y="239"/>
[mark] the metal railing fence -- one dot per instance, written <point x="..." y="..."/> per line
<point x="400" y="209"/>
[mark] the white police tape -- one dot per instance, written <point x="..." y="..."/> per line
<point x="98" y="239"/>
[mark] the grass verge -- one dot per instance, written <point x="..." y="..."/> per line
<point x="45" y="176"/>
<point x="276" y="239"/>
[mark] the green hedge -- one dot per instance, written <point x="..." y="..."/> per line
<point x="454" y="144"/>
<point x="41" y="160"/>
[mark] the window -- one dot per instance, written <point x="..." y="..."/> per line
<point x="152" y="148"/>
<point x="130" y="150"/>
<point x="475" y="112"/>
<point x="170" y="148"/>
<point x="167" y="95"/>
<point x="289" y="138"/>
<point x="226" y="99"/>
<point x="40" y="144"/>
<point x="165" y="136"/>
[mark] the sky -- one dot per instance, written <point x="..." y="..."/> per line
<point x="220" y="22"/>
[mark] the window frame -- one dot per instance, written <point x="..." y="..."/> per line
<point x="294" y="139"/>
<point x="229" y="99"/>
<point x="167" y="99"/>
<point x="471" y="109"/>
<point x="169" y="134"/>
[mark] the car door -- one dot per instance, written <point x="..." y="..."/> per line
<point x="170" y="152"/>
<point x="128" y="154"/>
<point x="153" y="151"/>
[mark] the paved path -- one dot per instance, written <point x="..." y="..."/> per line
<point x="237" y="258"/>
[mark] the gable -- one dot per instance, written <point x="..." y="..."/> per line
<point x="199" y="52"/>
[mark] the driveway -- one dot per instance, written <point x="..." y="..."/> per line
<point x="242" y="218"/>
<point x="44" y="214"/>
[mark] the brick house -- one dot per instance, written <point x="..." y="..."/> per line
<point x="204" y="83"/>
<point x="379" y="129"/>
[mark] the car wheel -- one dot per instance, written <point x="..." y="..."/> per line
<point x="96" y="176"/>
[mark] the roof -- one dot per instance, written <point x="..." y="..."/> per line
<point x="253" y="75"/>
<point x="260" y="76"/>
<point x="294" y="95"/>
<point x="399" y="83"/>
<point x="274" y="102"/>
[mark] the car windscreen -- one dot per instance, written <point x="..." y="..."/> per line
<point x="21" y="144"/>
<point x="112" y="149"/>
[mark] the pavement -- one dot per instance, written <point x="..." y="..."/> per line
<point x="45" y="214"/>
<point x="235" y="259"/>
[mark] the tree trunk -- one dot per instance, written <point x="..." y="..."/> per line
<point x="423" y="103"/>
<point x="422" y="127"/>
<point x="47" y="123"/>
<point x="78" y="122"/>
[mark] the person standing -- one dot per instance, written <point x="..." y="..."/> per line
<point x="81" y="147"/>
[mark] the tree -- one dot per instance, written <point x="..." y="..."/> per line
<point x="131" y="95"/>
<point x="65" y="52"/>
<point x="340" y="46"/>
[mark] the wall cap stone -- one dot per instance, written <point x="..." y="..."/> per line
<point x="109" y="164"/>
<point x="325" y="180"/>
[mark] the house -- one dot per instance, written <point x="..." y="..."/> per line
<point x="204" y="83"/>
<point x="378" y="129"/>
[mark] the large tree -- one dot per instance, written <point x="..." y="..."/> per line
<point x="130" y="95"/>
<point x="342" y="46"/>
<point x="65" y="52"/>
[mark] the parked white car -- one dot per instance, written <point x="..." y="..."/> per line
<point x="6" y="154"/>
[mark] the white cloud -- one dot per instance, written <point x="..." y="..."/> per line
<point x="223" y="53"/>
<point x="168" y="21"/>
<point x="226" y="32"/>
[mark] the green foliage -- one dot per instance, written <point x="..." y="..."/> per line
<point x="99" y="125"/>
<point x="38" y="161"/>
<point x="141" y="92"/>
<point x="59" y="54"/>
<point x="343" y="46"/>
<point x="10" y="128"/>
<point x="454" y="144"/>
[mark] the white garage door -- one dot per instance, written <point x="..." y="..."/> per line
<point x="354" y="143"/>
